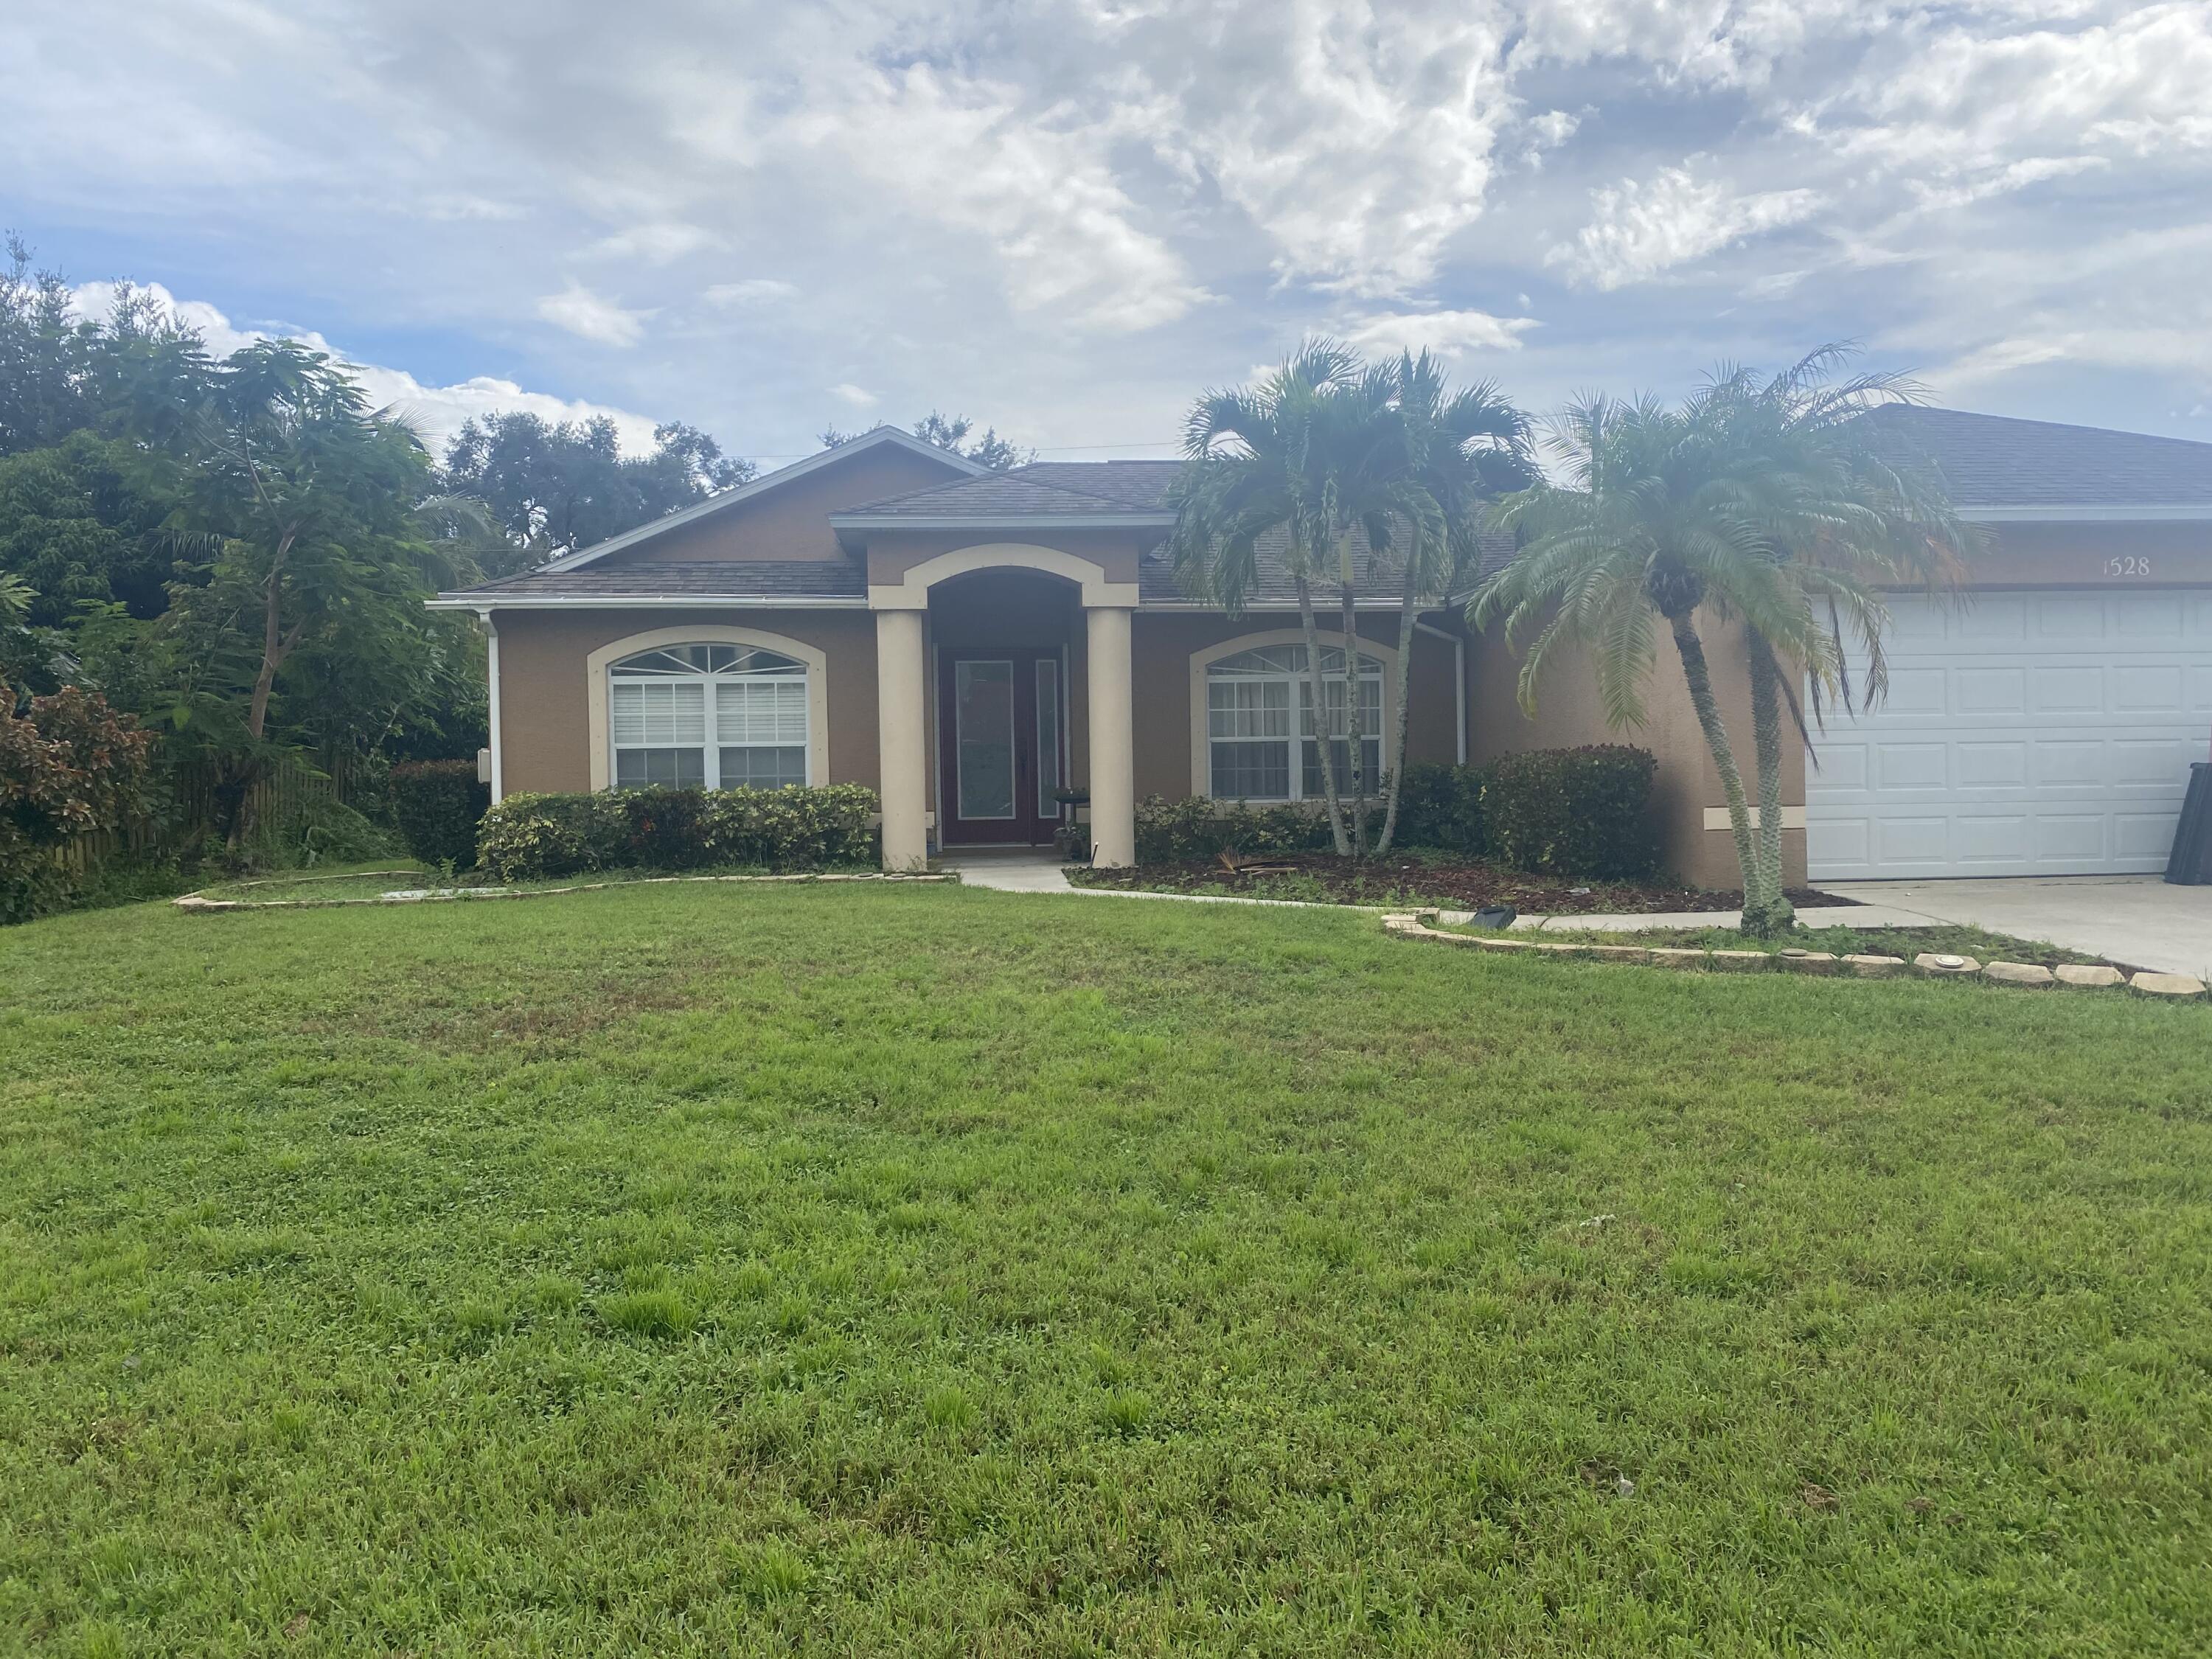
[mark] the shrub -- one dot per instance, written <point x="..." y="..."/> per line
<point x="529" y="837"/>
<point x="69" y="766"/>
<point x="1442" y="806"/>
<point x="791" y="828"/>
<point x="1573" y="811"/>
<point x="1199" y="827"/>
<point x="437" y="806"/>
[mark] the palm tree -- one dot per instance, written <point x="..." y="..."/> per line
<point x="1330" y="455"/>
<point x="1465" y="448"/>
<point x="1650" y="521"/>
<point x="1845" y="509"/>
<point x="1271" y="461"/>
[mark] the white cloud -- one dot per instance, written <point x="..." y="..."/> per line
<point x="658" y="244"/>
<point x="1639" y="230"/>
<point x="855" y="397"/>
<point x="753" y="291"/>
<point x="589" y="317"/>
<point x="1066" y="216"/>
<point x="1447" y="333"/>
<point x="434" y="411"/>
<point x="959" y="151"/>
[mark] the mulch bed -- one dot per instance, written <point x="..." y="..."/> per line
<point x="1324" y="876"/>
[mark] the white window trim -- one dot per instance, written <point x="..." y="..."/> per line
<point x="1201" y="739"/>
<point x="596" y="667"/>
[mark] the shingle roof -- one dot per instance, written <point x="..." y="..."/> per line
<point x="1379" y="579"/>
<point x="705" y="579"/>
<point x="1994" y="461"/>
<point x="1001" y="495"/>
<point x="1139" y="484"/>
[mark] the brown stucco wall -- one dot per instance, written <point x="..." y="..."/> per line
<point x="792" y="521"/>
<point x="1568" y="715"/>
<point x="545" y="720"/>
<point x="1161" y="646"/>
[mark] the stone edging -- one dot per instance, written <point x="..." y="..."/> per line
<point x="1928" y="964"/>
<point x="199" y="904"/>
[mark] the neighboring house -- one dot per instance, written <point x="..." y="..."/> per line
<point x="965" y="642"/>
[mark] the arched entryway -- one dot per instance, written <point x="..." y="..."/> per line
<point x="981" y="661"/>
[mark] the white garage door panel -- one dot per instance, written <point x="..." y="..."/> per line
<point x="2028" y="734"/>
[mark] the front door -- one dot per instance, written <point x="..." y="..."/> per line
<point x="998" y="746"/>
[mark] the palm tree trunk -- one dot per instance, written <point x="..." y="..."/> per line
<point x="1777" y="916"/>
<point x="1407" y="607"/>
<point x="1694" y="670"/>
<point x="1355" y="751"/>
<point x="1297" y="741"/>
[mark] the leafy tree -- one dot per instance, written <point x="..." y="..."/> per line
<point x="86" y="521"/>
<point x="136" y="374"/>
<point x="316" y="509"/>
<point x="1320" y="454"/>
<point x="556" y="488"/>
<point x="990" y="450"/>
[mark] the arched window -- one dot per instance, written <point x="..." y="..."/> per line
<point x="708" y="717"/>
<point x="1249" y="699"/>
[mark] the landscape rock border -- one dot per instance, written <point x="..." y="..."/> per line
<point x="198" y="904"/>
<point x="1419" y="924"/>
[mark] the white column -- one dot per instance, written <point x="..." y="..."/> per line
<point x="1113" y="745"/>
<point x="902" y="752"/>
<point x="498" y="778"/>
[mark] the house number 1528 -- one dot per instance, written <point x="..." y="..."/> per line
<point x="2127" y="565"/>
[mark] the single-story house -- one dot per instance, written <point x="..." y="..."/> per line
<point x="968" y="643"/>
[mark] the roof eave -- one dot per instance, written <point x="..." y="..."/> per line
<point x="482" y="603"/>
<point x="1002" y="521"/>
<point x="2090" y="513"/>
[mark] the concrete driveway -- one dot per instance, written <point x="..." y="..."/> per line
<point x="2136" y="920"/>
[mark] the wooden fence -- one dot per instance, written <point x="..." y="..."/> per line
<point x="278" y="796"/>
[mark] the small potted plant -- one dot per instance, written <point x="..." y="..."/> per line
<point x="1070" y="841"/>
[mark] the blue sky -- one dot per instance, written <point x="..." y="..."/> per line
<point x="1066" y="216"/>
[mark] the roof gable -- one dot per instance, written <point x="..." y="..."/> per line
<point x="958" y="465"/>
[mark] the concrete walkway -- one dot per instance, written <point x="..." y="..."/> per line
<point x="1015" y="870"/>
<point x="2138" y="921"/>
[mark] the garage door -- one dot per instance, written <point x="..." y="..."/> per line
<point x="2024" y="734"/>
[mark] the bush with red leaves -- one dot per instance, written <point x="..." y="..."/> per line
<point x="69" y="766"/>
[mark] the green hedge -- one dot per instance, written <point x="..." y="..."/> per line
<point x="1201" y="828"/>
<point x="533" y="837"/>
<point x="1442" y="806"/>
<point x="437" y="806"/>
<point x="1572" y="812"/>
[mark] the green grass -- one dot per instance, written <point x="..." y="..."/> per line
<point x="343" y="885"/>
<point x="738" y="1270"/>
<point x="1942" y="938"/>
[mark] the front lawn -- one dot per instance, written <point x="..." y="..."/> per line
<point x="733" y="1269"/>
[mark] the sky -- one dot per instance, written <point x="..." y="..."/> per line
<point x="1066" y="218"/>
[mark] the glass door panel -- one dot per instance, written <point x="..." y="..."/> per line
<point x="1047" y="737"/>
<point x="983" y="713"/>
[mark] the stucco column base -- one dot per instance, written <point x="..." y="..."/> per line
<point x="1113" y="745"/>
<point x="902" y="761"/>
